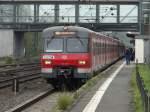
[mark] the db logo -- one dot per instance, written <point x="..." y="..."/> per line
<point x="64" y="57"/>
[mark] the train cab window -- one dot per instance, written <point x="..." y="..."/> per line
<point x="77" y="45"/>
<point x="54" y="45"/>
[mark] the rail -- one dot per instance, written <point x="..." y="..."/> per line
<point x="15" y="65"/>
<point x="16" y="81"/>
<point x="20" y="74"/>
<point x="144" y="92"/>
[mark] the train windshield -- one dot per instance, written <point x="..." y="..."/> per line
<point x="69" y="45"/>
<point x="77" y="45"/>
<point x="54" y="45"/>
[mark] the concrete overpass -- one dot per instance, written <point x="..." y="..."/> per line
<point x="69" y="1"/>
<point x="20" y="16"/>
<point x="34" y="20"/>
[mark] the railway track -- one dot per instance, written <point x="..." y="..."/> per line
<point x="21" y="79"/>
<point x="31" y="101"/>
<point x="20" y="73"/>
<point x="17" y="65"/>
<point x="14" y="76"/>
<point x="12" y="68"/>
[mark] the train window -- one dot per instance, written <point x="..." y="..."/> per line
<point x="77" y="45"/>
<point x="54" y="45"/>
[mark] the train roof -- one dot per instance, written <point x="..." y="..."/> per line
<point x="84" y="31"/>
<point x="69" y="28"/>
<point x="81" y="31"/>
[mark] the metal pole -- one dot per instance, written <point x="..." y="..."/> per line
<point x="140" y="17"/>
<point x="36" y="13"/>
<point x="137" y="71"/>
<point x="14" y="13"/>
<point x="118" y="13"/>
<point x="148" y="103"/>
<point x="146" y="100"/>
<point x="97" y="13"/>
<point x="56" y="13"/>
<point x="15" y="85"/>
<point x="149" y="23"/>
<point x="77" y="13"/>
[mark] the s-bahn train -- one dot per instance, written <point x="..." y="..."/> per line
<point x="73" y="53"/>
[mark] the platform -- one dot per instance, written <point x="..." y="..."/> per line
<point x="116" y="98"/>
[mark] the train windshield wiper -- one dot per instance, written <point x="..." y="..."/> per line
<point x="49" y="41"/>
<point x="81" y="42"/>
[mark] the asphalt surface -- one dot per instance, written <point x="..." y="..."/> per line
<point x="118" y="96"/>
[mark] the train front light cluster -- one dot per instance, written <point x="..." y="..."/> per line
<point x="82" y="62"/>
<point x="48" y="62"/>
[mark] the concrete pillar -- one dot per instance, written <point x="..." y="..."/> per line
<point x="139" y="50"/>
<point x="6" y="42"/>
<point x="19" y="44"/>
<point x="146" y="50"/>
<point x="142" y="45"/>
<point x="11" y="43"/>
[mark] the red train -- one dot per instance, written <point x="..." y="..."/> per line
<point x="73" y="53"/>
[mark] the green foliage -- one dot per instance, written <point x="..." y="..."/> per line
<point x="144" y="71"/>
<point x="89" y="84"/>
<point x="64" y="101"/>
<point x="137" y="96"/>
<point x="33" y="44"/>
<point x="55" y="109"/>
<point x="95" y="73"/>
<point x="76" y="94"/>
<point x="8" y="60"/>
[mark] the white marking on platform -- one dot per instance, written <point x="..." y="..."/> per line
<point x="92" y="105"/>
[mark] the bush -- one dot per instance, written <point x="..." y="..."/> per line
<point x="136" y="93"/>
<point x="64" y="101"/>
<point x="8" y="60"/>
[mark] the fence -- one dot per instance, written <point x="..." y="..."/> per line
<point x="144" y="93"/>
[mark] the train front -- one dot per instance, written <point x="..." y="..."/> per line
<point x="66" y="55"/>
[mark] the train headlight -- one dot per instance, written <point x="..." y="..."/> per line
<point x="82" y="62"/>
<point x="48" y="62"/>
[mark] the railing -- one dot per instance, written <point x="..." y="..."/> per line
<point x="68" y="19"/>
<point x="144" y="92"/>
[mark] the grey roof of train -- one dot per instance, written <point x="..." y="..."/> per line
<point x="74" y="28"/>
<point x="71" y="28"/>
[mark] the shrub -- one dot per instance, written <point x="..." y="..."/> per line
<point x="64" y="101"/>
<point x="8" y="60"/>
<point x="136" y="93"/>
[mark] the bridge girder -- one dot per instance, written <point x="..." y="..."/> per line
<point x="69" y="1"/>
<point x="97" y="26"/>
